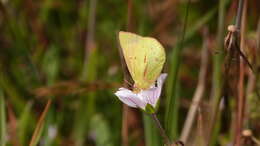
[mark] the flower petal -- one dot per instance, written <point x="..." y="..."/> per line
<point x="152" y="95"/>
<point x="161" y="79"/>
<point x="160" y="82"/>
<point x="123" y="94"/>
<point x="139" y="102"/>
<point x="130" y="98"/>
<point x="148" y="95"/>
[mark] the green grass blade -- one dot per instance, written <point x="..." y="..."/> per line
<point x="217" y="81"/>
<point x="10" y="90"/>
<point x="150" y="131"/>
<point x="24" y="122"/>
<point x="87" y="105"/>
<point x="175" y="59"/>
<point x="87" y="100"/>
<point x="2" y="120"/>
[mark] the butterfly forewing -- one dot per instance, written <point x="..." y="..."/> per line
<point x="144" y="57"/>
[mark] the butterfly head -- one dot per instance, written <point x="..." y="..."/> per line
<point x="140" y="86"/>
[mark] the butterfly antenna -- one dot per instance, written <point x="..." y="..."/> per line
<point x="128" y="83"/>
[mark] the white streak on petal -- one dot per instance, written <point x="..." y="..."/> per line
<point x="130" y="98"/>
<point x="124" y="94"/>
<point x="148" y="95"/>
<point x="139" y="102"/>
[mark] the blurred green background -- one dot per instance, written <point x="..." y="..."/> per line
<point x="65" y="53"/>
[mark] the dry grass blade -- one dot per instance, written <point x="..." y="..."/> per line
<point x="12" y="126"/>
<point x="232" y="70"/>
<point x="198" y="93"/>
<point x="64" y="88"/>
<point x="233" y="83"/>
<point x="40" y="124"/>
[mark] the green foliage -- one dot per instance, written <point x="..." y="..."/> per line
<point x="47" y="52"/>
<point x="150" y="132"/>
<point x="25" y="124"/>
<point x="3" y="135"/>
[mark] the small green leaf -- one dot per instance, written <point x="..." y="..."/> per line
<point x="149" y="109"/>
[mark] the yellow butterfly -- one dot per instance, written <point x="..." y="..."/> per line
<point x="144" y="57"/>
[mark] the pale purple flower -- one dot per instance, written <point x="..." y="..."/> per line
<point x="144" y="97"/>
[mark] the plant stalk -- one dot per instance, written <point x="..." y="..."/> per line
<point x="172" y="100"/>
<point x="166" y="139"/>
<point x="241" y="97"/>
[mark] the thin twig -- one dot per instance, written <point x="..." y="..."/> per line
<point x="161" y="130"/>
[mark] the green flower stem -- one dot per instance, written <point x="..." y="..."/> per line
<point x="161" y="130"/>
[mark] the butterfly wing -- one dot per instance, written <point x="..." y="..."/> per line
<point x="155" y="56"/>
<point x="144" y="57"/>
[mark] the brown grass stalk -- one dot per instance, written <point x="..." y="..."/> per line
<point x="241" y="97"/>
<point x="198" y="92"/>
<point x="40" y="124"/>
<point x="127" y="77"/>
<point x="12" y="126"/>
